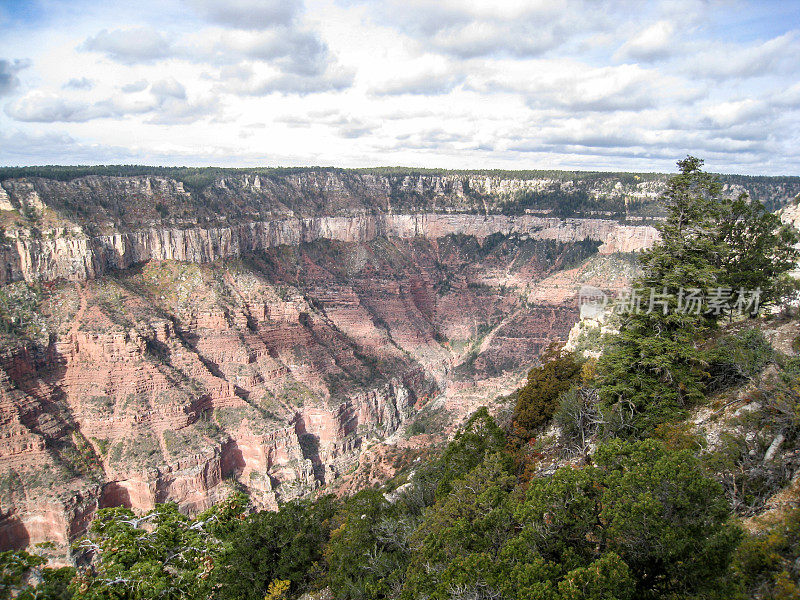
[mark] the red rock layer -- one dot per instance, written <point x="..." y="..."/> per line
<point x="171" y="380"/>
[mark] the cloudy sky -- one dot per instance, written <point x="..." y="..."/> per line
<point x="580" y="84"/>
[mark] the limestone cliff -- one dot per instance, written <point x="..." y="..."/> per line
<point x="74" y="255"/>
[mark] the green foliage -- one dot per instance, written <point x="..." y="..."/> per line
<point x="767" y="563"/>
<point x="163" y="554"/>
<point x="19" y="309"/>
<point x="472" y="522"/>
<point x="23" y="576"/>
<point x="278" y="589"/>
<point x="55" y="585"/>
<point x="567" y="202"/>
<point x="14" y="567"/>
<point x="537" y="400"/>
<point x="578" y="417"/>
<point x="758" y="250"/>
<point x="642" y="522"/>
<point x="466" y="545"/>
<point x="269" y="546"/>
<point x="479" y="436"/>
<point x="606" y="578"/>
<point x="657" y="510"/>
<point x="738" y="358"/>
<point x="666" y="517"/>
<point x="748" y="479"/>
<point x="657" y="367"/>
<point x="742" y="461"/>
<point x="678" y="436"/>
<point x="418" y="427"/>
<point x="368" y="552"/>
<point x="651" y="372"/>
<point x="653" y="369"/>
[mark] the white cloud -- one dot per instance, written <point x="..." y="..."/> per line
<point x="427" y="76"/>
<point x="41" y="107"/>
<point x="168" y="88"/>
<point x="8" y="74"/>
<point x="656" y="41"/>
<point x="451" y="83"/>
<point x="249" y="14"/>
<point x="575" y="86"/>
<point x="79" y="83"/>
<point x="343" y="125"/>
<point x="291" y="50"/>
<point x="134" y="86"/>
<point x="21" y="147"/>
<point x="728" y="114"/>
<point x="788" y="98"/>
<point x="735" y="61"/>
<point x="251" y="79"/>
<point x="297" y="60"/>
<point x="129" y="46"/>
<point x="468" y="29"/>
<point x="166" y="103"/>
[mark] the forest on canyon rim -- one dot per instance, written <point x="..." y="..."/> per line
<point x="654" y="458"/>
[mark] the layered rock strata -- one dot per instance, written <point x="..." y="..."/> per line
<point x="75" y="256"/>
<point x="88" y="226"/>
<point x="172" y="381"/>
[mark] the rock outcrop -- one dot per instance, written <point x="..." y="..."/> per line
<point x="169" y="381"/>
<point x="73" y="255"/>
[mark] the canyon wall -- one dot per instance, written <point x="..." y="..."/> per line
<point x="180" y="408"/>
<point x="84" y="227"/>
<point x="73" y="255"/>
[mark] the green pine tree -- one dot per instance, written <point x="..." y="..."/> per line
<point x="657" y="365"/>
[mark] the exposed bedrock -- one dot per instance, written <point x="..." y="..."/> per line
<point x="173" y="381"/>
<point x="86" y="226"/>
<point x="74" y="255"/>
<point x="67" y="450"/>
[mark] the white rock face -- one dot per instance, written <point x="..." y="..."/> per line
<point x="294" y="208"/>
<point x="595" y="321"/>
<point x="71" y="256"/>
<point x="5" y="201"/>
<point x="24" y="193"/>
<point x="774" y="447"/>
<point x="791" y="213"/>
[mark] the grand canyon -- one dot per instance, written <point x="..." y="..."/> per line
<point x="280" y="331"/>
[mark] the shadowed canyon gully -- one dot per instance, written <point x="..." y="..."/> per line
<point x="171" y="340"/>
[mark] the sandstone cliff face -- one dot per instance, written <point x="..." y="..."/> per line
<point x="131" y="201"/>
<point x="170" y="411"/>
<point x="790" y="215"/>
<point x="73" y="255"/>
<point x="89" y="226"/>
<point x="170" y="381"/>
<point x="240" y="196"/>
